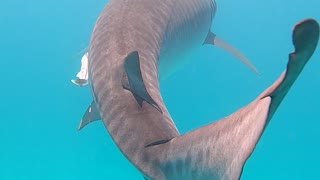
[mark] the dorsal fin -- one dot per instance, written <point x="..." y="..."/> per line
<point x="132" y="80"/>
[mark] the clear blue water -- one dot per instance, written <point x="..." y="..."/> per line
<point x="40" y="109"/>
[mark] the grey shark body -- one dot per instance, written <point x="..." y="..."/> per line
<point x="134" y="42"/>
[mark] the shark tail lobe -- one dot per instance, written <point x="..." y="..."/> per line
<point x="221" y="149"/>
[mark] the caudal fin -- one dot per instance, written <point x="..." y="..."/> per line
<point x="220" y="150"/>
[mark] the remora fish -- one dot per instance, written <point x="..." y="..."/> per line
<point x="131" y="41"/>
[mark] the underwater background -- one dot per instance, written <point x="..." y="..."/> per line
<point x="42" y="43"/>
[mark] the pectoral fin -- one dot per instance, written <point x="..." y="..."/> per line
<point x="215" y="40"/>
<point x="132" y="80"/>
<point x="92" y="114"/>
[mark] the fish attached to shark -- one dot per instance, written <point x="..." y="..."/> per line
<point x="133" y="44"/>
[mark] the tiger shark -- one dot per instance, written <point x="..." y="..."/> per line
<point x="133" y="43"/>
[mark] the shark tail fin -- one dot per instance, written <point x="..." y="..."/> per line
<point x="221" y="149"/>
<point x="215" y="40"/>
<point x="305" y="40"/>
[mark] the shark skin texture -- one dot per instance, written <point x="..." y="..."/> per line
<point x="220" y="150"/>
<point x="133" y="44"/>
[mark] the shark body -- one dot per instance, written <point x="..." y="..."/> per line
<point x="133" y="43"/>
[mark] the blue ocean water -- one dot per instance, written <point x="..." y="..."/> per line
<point x="41" y="44"/>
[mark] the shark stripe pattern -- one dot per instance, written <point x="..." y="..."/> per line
<point x="133" y="44"/>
